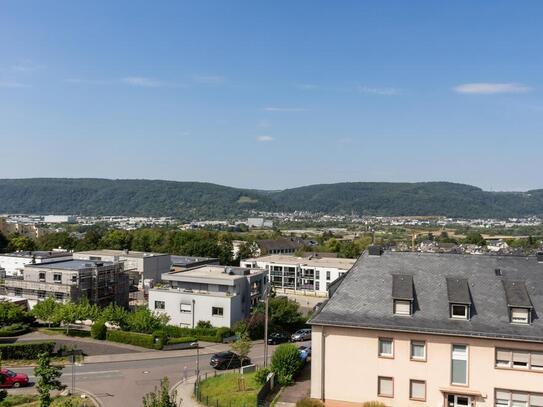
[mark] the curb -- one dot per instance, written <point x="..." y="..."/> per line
<point x="91" y="396"/>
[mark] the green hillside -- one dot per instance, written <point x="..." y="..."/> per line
<point x="192" y="200"/>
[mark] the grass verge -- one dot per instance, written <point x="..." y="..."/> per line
<point x="228" y="390"/>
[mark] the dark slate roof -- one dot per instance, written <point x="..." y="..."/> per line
<point x="363" y="299"/>
<point x="516" y="294"/>
<point x="280" y="244"/>
<point x="458" y="291"/>
<point x="402" y="287"/>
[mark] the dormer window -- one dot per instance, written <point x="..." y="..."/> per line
<point x="518" y="301"/>
<point x="459" y="298"/>
<point x="520" y="315"/>
<point x="459" y="311"/>
<point x="402" y="294"/>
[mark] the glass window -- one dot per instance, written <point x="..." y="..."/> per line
<point x="418" y="350"/>
<point x="459" y="311"/>
<point x="385" y="386"/>
<point x="160" y="305"/>
<point x="42" y="276"/>
<point x="459" y="366"/>
<point x="537" y="360"/>
<point x="317" y="274"/>
<point x="217" y="311"/>
<point x="520" y="359"/>
<point x="57" y="277"/>
<point x="186" y="308"/>
<point x="518" y="399"/>
<point x="504" y="357"/>
<point x="41" y="294"/>
<point x="317" y="286"/>
<point x="402" y="307"/>
<point x="519" y="315"/>
<point x="417" y="389"/>
<point x="328" y="275"/>
<point x="386" y="347"/>
<point x="59" y="296"/>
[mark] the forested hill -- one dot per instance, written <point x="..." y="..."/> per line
<point x="192" y="200"/>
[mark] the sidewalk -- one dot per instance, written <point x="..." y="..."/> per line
<point x="205" y="349"/>
<point x="299" y="390"/>
<point x="184" y="391"/>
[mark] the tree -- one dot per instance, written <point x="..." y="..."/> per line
<point x="475" y="238"/>
<point x="285" y="363"/>
<point x="66" y="314"/>
<point x="11" y="313"/>
<point x="284" y="314"/>
<point x="146" y="321"/>
<point x="51" y="241"/>
<point x="46" y="310"/>
<point x="47" y="378"/>
<point x="160" y="397"/>
<point x="115" y="314"/>
<point x="21" y="243"/>
<point x="242" y="346"/>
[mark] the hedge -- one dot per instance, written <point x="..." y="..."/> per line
<point x="26" y="350"/>
<point x="14" y="330"/>
<point x="99" y="330"/>
<point x="133" y="338"/>
<point x="185" y="339"/>
<point x="201" y="334"/>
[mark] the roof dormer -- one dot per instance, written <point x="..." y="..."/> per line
<point x="459" y="298"/>
<point x="402" y="294"/>
<point x="518" y="302"/>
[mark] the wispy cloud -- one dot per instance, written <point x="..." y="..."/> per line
<point x="12" y="84"/>
<point x="284" y="109"/>
<point x="487" y="88"/>
<point x="208" y="79"/>
<point x="387" y="91"/>
<point x="264" y="139"/>
<point x="142" y="81"/>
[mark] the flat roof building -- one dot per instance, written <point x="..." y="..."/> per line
<point x="218" y="294"/>
<point x="311" y="275"/>
<point x="451" y="330"/>
<point x="15" y="262"/>
<point x="180" y="263"/>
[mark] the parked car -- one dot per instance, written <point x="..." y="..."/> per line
<point x="8" y="378"/>
<point x="228" y="360"/>
<point x="305" y="352"/>
<point x="301" y="335"/>
<point x="277" y="338"/>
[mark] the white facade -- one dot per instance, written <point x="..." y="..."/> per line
<point x="220" y="295"/>
<point x="14" y="263"/>
<point x="301" y="275"/>
<point x="59" y="219"/>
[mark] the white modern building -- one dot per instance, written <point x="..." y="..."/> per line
<point x="59" y="219"/>
<point x="301" y="275"/>
<point x="14" y="263"/>
<point x="218" y="294"/>
<point x="140" y="266"/>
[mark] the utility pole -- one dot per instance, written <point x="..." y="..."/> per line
<point x="266" y="301"/>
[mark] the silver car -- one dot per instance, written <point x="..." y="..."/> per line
<point x="301" y="335"/>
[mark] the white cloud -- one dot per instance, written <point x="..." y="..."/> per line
<point x="284" y="109"/>
<point x="142" y="81"/>
<point x="378" y="91"/>
<point x="485" y="88"/>
<point x="264" y="139"/>
<point x="10" y="84"/>
<point x="208" y="79"/>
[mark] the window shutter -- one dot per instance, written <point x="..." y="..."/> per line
<point x="537" y="359"/>
<point x="418" y="390"/>
<point x="402" y="307"/>
<point x="520" y="397"/>
<point x="385" y="386"/>
<point x="536" y="400"/>
<point x="521" y="357"/>
<point x="504" y="354"/>
<point x="519" y="314"/>
<point x="502" y="395"/>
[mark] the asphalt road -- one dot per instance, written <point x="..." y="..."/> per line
<point x="123" y="384"/>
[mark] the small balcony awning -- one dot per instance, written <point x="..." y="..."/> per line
<point x="460" y="391"/>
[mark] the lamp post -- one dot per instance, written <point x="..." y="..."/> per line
<point x="266" y="301"/>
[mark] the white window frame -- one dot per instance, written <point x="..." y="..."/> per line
<point x="464" y="316"/>
<point x="163" y="305"/>
<point x="184" y="311"/>
<point x="385" y="355"/>
<point x="216" y="314"/>
<point x="403" y="302"/>
<point x="524" y="321"/>
<point x="417" y="358"/>
<point x="465" y="358"/>
<point x="379" y="378"/>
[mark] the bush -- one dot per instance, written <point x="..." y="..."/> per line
<point x="133" y="338"/>
<point x="285" y="363"/>
<point x="201" y="334"/>
<point x="307" y="402"/>
<point x="185" y="339"/>
<point x="261" y="375"/>
<point x="204" y="324"/>
<point x="373" y="404"/>
<point x="26" y="350"/>
<point x="14" y="330"/>
<point x="99" y="330"/>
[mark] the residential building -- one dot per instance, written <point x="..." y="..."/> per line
<point x="279" y="246"/>
<point x="181" y="263"/>
<point x="311" y="275"/>
<point x="15" y="262"/>
<point x="424" y="329"/>
<point x="100" y="282"/>
<point x="140" y="266"/>
<point x="59" y="219"/>
<point x="218" y="294"/>
<point x="259" y="223"/>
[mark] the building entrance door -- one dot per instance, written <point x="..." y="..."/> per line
<point x="454" y="400"/>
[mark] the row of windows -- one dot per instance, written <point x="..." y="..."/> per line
<point x="519" y="359"/>
<point x="187" y="308"/>
<point x="417" y="388"/>
<point x="462" y="311"/>
<point x="509" y="398"/>
<point x="459" y="357"/>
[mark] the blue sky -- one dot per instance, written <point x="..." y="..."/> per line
<point x="273" y="94"/>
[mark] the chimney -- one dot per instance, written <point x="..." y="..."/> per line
<point x="375" y="250"/>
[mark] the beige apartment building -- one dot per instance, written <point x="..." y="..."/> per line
<point x="439" y="330"/>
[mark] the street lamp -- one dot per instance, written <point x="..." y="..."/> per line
<point x="266" y="301"/>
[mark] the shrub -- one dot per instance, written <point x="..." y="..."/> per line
<point x="204" y="324"/>
<point x="261" y="375"/>
<point x="99" y="330"/>
<point x="201" y="334"/>
<point x="373" y="404"/>
<point x="132" y="338"/>
<point x="185" y="339"/>
<point x="307" y="402"/>
<point x="14" y="330"/>
<point x="285" y="363"/>
<point x="26" y="350"/>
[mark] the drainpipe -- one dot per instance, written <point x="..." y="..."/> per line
<point x="323" y="358"/>
<point x="193" y="311"/>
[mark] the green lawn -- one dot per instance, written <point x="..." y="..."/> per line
<point x="226" y="388"/>
<point x="32" y="400"/>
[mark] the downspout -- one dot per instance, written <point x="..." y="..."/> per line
<point x="323" y="358"/>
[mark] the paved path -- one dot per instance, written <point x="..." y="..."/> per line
<point x="299" y="390"/>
